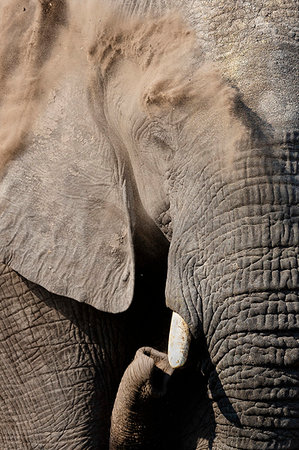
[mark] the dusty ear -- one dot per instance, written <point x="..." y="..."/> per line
<point x="65" y="207"/>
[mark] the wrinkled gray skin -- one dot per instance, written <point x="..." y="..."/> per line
<point x="232" y="270"/>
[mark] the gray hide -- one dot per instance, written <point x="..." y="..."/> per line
<point x="64" y="207"/>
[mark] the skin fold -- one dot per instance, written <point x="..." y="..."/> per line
<point x="149" y="164"/>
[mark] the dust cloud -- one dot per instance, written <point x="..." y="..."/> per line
<point x="174" y="71"/>
<point x="28" y="36"/>
<point x="43" y="40"/>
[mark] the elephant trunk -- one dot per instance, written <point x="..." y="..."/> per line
<point x="253" y="370"/>
<point x="235" y="281"/>
<point x="138" y="415"/>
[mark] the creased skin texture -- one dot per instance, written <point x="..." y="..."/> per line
<point x="211" y="157"/>
<point x="138" y="403"/>
<point x="58" y="380"/>
<point x="61" y="364"/>
<point x="159" y="408"/>
<point x="243" y="283"/>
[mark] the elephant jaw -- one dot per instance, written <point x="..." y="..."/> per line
<point x="179" y="341"/>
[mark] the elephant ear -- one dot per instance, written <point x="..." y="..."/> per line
<point x="65" y="207"/>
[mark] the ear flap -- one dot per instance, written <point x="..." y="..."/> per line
<point x="65" y="207"/>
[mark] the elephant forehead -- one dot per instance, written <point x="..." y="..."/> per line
<point x="256" y="50"/>
<point x="243" y="20"/>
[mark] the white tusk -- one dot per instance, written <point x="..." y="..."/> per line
<point x="179" y="341"/>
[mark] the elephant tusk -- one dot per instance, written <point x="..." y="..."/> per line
<point x="179" y="341"/>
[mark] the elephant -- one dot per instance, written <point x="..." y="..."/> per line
<point x="149" y="186"/>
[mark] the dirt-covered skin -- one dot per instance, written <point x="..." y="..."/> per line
<point x="139" y="138"/>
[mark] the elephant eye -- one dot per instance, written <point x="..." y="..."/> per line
<point x="160" y="142"/>
<point x="163" y="147"/>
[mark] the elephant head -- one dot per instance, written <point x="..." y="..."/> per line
<point x="180" y="131"/>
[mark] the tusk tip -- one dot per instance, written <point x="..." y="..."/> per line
<point x="177" y="361"/>
<point x="179" y="342"/>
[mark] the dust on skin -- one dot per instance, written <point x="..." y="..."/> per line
<point x="167" y="80"/>
<point x="29" y="36"/>
<point x="44" y="40"/>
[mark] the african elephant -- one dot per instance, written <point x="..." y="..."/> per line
<point x="149" y="151"/>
